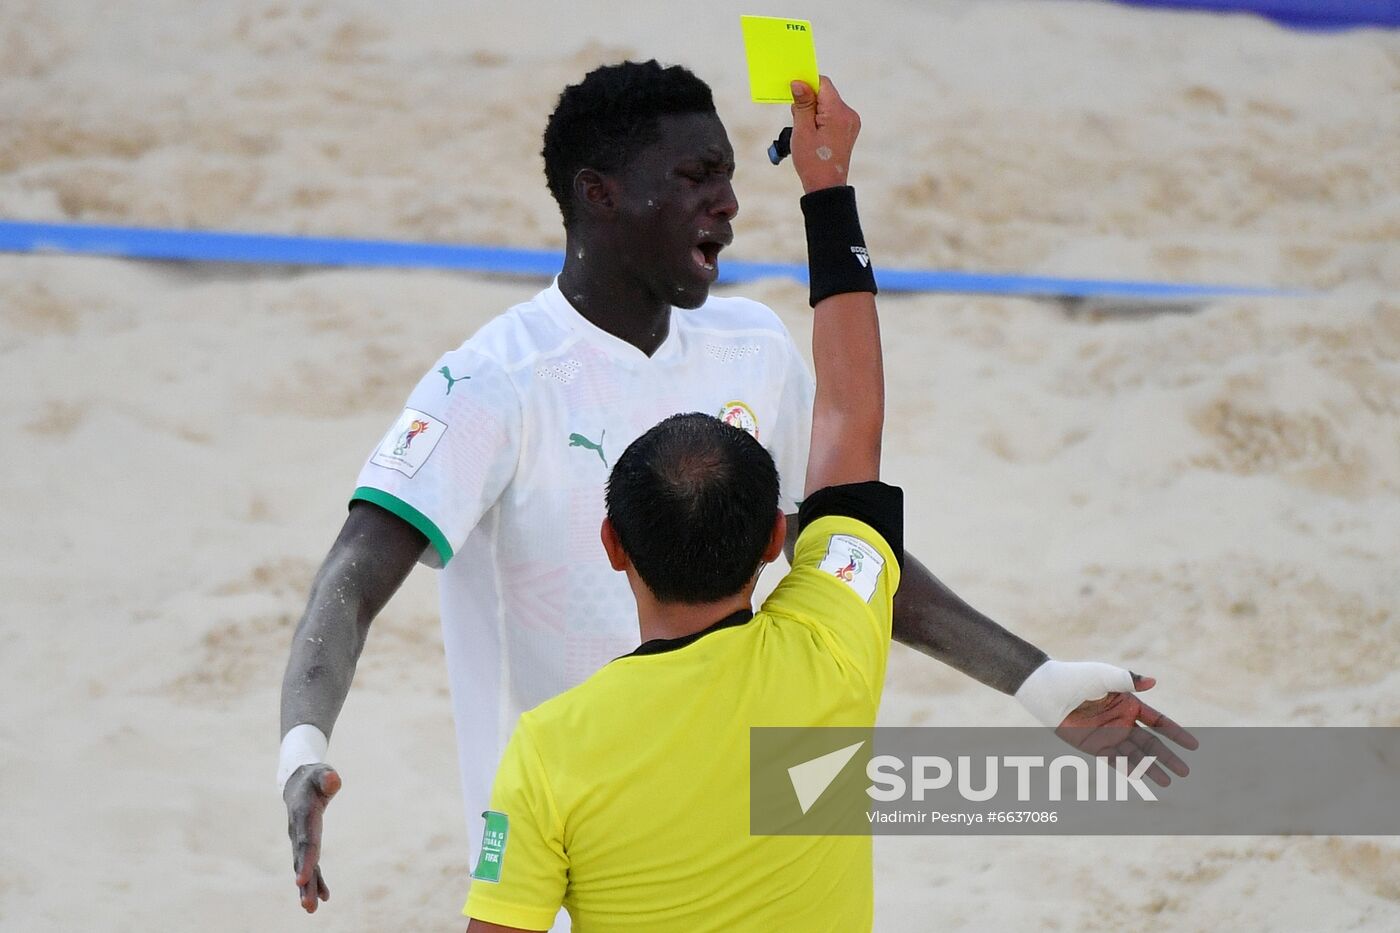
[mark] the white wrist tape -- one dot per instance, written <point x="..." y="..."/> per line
<point x="302" y="745"/>
<point x="1056" y="687"/>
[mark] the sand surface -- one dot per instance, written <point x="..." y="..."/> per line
<point x="1210" y="496"/>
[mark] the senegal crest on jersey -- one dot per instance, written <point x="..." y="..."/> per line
<point x="739" y="415"/>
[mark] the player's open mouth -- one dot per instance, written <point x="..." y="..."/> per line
<point x="706" y="255"/>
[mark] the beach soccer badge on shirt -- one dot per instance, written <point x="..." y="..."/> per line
<point x="739" y="415"/>
<point x="493" y="847"/>
<point x="409" y="442"/>
<point x="854" y="563"/>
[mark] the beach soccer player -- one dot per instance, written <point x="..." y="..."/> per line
<point x="626" y="799"/>
<point x="495" y="470"/>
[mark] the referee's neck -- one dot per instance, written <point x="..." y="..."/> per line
<point x="677" y="620"/>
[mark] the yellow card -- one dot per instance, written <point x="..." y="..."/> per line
<point x="779" y="51"/>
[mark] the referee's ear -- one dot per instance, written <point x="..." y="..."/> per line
<point x="617" y="557"/>
<point x="776" y="538"/>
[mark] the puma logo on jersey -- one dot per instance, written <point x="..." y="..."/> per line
<point x="451" y="381"/>
<point x="578" y="440"/>
<point x="862" y="255"/>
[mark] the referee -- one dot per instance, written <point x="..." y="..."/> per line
<point x="625" y="799"/>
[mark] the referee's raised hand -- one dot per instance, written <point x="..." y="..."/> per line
<point x="848" y="409"/>
<point x="308" y="791"/>
<point x="824" y="131"/>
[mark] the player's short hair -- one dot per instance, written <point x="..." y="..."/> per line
<point x="609" y="116"/>
<point x="693" y="502"/>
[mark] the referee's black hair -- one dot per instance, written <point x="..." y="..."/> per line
<point x="610" y="115"/>
<point x="693" y="502"/>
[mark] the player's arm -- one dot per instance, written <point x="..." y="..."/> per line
<point x="930" y="618"/>
<point x="365" y="566"/>
<point x="1093" y="706"/>
<point x="848" y="412"/>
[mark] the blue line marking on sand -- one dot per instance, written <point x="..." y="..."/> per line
<point x="212" y="246"/>
<point x="1321" y="15"/>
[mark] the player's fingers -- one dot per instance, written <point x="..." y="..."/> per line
<point x="308" y="897"/>
<point x="307" y="887"/>
<point x="1151" y="745"/>
<point x="1167" y="727"/>
<point x="1132" y="751"/>
<point x="307" y="859"/>
<point x="328" y="782"/>
<point x="1156" y="775"/>
<point x="298" y="835"/>
<point x="323" y="888"/>
<point x="306" y="845"/>
<point x="1143" y="682"/>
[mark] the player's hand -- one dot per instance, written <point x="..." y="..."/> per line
<point x="307" y="792"/>
<point x="1113" y="725"/>
<point x="824" y="131"/>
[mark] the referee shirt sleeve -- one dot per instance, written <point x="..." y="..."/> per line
<point x="845" y="571"/>
<point x="524" y="885"/>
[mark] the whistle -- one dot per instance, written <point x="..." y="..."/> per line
<point x="781" y="147"/>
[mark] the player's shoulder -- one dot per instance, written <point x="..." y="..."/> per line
<point x="518" y="337"/>
<point x="735" y="315"/>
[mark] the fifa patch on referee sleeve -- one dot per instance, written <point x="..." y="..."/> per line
<point x="854" y="563"/>
<point x="409" y="442"/>
<point x="493" y="847"/>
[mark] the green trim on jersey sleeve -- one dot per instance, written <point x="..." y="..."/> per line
<point x="395" y="505"/>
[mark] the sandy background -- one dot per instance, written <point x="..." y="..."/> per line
<point x="1212" y="497"/>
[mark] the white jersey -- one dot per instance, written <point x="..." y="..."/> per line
<point x="500" y="458"/>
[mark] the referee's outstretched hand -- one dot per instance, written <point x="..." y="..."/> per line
<point x="307" y="792"/>
<point x="824" y="131"/>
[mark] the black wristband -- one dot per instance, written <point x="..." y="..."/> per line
<point x="836" y="258"/>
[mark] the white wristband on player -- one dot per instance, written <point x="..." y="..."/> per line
<point x="302" y="745"/>
<point x="1056" y="687"/>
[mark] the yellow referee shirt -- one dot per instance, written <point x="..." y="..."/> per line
<point x="626" y="799"/>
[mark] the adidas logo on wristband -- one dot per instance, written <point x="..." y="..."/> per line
<point x="833" y="236"/>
